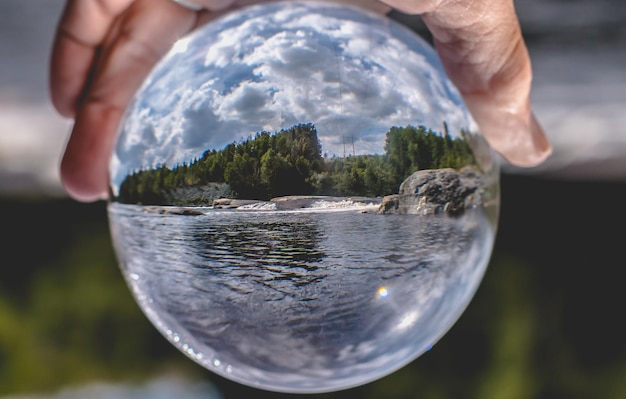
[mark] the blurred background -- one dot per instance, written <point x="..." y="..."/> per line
<point x="547" y="322"/>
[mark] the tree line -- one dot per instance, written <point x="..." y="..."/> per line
<point x="290" y="162"/>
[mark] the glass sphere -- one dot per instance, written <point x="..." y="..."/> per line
<point x="300" y="200"/>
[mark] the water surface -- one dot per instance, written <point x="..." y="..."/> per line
<point x="303" y="300"/>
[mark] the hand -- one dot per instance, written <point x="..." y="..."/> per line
<point x="104" y="49"/>
<point x="482" y="50"/>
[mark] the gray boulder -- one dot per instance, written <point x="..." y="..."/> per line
<point x="436" y="191"/>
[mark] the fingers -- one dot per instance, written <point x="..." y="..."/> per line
<point x="81" y="30"/>
<point x="221" y="5"/>
<point x="105" y="48"/>
<point x="482" y="50"/>
<point x="414" y="6"/>
<point x="135" y="41"/>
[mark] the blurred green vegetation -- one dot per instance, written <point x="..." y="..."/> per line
<point x="547" y="322"/>
<point x="66" y="316"/>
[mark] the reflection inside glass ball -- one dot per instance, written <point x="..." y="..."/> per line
<point x="300" y="201"/>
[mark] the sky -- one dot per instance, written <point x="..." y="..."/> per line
<point x="354" y="75"/>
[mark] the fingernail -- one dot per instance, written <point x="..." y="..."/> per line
<point x="540" y="143"/>
<point x="522" y="141"/>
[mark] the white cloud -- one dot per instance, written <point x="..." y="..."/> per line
<point x="274" y="66"/>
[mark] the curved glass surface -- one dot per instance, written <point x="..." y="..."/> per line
<point x="300" y="200"/>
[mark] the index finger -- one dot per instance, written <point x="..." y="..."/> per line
<point x="82" y="28"/>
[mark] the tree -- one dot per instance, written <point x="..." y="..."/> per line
<point x="289" y="162"/>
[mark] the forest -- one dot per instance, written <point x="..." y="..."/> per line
<point x="290" y="162"/>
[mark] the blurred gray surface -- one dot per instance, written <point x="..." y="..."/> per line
<point x="32" y="135"/>
<point x="166" y="387"/>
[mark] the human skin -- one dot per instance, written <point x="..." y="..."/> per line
<point x="104" y="49"/>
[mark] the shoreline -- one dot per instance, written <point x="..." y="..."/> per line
<point x="286" y="203"/>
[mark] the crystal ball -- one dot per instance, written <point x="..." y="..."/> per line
<point x="300" y="200"/>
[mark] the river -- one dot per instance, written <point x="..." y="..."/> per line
<point x="301" y="300"/>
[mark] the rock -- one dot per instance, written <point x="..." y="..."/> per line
<point x="188" y="212"/>
<point x="230" y="203"/>
<point x="222" y="202"/>
<point x="436" y="191"/>
<point x="390" y="204"/>
<point x="174" y="210"/>
<point x="203" y="195"/>
<point x="291" y="202"/>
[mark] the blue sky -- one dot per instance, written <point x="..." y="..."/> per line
<point x="353" y="74"/>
